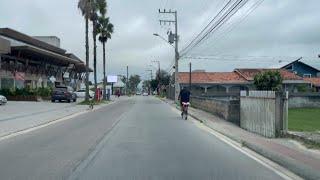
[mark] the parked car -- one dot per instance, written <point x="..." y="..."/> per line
<point x="145" y="94"/>
<point x="3" y="100"/>
<point x="63" y="94"/>
<point x="82" y="93"/>
<point x="138" y="93"/>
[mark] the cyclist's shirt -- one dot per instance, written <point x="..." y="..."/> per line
<point x="184" y="95"/>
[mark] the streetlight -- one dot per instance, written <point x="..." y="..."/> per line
<point x="161" y="37"/>
<point x="177" y="56"/>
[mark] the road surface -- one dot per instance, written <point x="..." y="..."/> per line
<point x="136" y="138"/>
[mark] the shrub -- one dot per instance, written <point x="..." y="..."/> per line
<point x="44" y="92"/>
<point x="268" y="81"/>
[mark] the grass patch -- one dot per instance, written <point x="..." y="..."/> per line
<point x="304" y="119"/>
<point x="94" y="102"/>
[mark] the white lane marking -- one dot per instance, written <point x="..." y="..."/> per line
<point x="281" y="171"/>
<point x="46" y="124"/>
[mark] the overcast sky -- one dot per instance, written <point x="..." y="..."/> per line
<point x="276" y="30"/>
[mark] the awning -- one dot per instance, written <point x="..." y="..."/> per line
<point x="41" y="53"/>
<point x="81" y="67"/>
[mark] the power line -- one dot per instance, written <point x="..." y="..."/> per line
<point x="216" y="16"/>
<point x="233" y="25"/>
<point x="226" y="16"/>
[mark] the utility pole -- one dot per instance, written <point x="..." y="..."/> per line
<point x="150" y="80"/>
<point x="151" y="77"/>
<point x="127" y="81"/>
<point x="159" y="79"/>
<point x="158" y="67"/>
<point x="190" y="76"/>
<point x="176" y="40"/>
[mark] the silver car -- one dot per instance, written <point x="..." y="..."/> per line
<point x="3" y="100"/>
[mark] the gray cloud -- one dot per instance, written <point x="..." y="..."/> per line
<point x="276" y="28"/>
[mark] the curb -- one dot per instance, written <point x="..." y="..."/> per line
<point x="302" y="170"/>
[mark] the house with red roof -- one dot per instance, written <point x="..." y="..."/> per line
<point x="315" y="82"/>
<point x="219" y="83"/>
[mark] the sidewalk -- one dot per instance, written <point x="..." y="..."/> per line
<point x="18" y="116"/>
<point x="303" y="162"/>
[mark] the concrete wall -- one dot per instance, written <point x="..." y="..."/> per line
<point x="226" y="109"/>
<point x="4" y="46"/>
<point x="304" y="100"/>
<point x="263" y="112"/>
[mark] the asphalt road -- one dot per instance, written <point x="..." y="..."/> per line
<point x="137" y="138"/>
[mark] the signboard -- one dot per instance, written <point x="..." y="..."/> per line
<point x="52" y="79"/>
<point x="66" y="75"/>
<point x="20" y="76"/>
<point x="112" y="79"/>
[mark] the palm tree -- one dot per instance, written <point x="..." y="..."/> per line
<point x="105" y="29"/>
<point x="97" y="7"/>
<point x="85" y="7"/>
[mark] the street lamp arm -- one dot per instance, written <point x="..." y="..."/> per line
<point x="164" y="39"/>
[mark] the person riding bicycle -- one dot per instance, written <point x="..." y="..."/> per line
<point x="184" y="97"/>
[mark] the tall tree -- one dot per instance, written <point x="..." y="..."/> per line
<point x="134" y="81"/>
<point x="105" y="29"/>
<point x="85" y="8"/>
<point x="97" y="7"/>
<point x="268" y="81"/>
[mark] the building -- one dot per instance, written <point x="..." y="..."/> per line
<point x="231" y="83"/>
<point x="315" y="83"/>
<point x="298" y="67"/>
<point x="36" y="62"/>
<point x="213" y="83"/>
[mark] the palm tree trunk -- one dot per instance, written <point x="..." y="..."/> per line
<point x="95" y="57"/>
<point x="104" y="70"/>
<point x="87" y="60"/>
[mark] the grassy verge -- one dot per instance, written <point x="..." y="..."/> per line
<point x="94" y="102"/>
<point x="304" y="119"/>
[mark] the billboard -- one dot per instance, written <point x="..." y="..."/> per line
<point x="112" y="79"/>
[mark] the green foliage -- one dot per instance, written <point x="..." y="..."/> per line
<point x="134" y="81"/>
<point x="303" y="88"/>
<point x="43" y="92"/>
<point x="268" y="80"/>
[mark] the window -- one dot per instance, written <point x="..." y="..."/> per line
<point x="307" y="75"/>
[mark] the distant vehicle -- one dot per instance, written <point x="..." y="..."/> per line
<point x="138" y="93"/>
<point x="62" y="93"/>
<point x="82" y="93"/>
<point x="145" y="94"/>
<point x="3" y="100"/>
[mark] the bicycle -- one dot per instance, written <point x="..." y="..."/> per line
<point x="91" y="103"/>
<point x="184" y="113"/>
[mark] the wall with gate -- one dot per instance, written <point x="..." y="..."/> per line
<point x="264" y="112"/>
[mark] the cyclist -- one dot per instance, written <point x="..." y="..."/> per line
<point x="184" y="96"/>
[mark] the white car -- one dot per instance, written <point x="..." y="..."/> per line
<point x="3" y="100"/>
<point x="82" y="93"/>
<point x="145" y="94"/>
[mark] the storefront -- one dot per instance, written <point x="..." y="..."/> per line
<point x="32" y="63"/>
